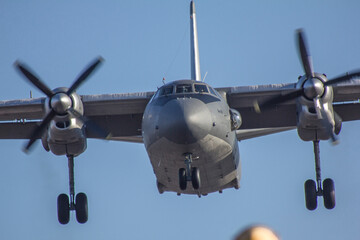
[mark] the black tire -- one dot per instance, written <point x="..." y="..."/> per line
<point x="310" y="194"/>
<point x="329" y="193"/>
<point x="63" y="208"/>
<point x="195" y="178"/>
<point x="81" y="207"/>
<point x="182" y="179"/>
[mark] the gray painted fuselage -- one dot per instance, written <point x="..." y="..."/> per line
<point x="191" y="122"/>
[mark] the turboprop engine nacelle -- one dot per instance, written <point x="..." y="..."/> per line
<point x="65" y="135"/>
<point x="311" y="124"/>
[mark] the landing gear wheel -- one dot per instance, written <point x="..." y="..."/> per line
<point x="81" y="208"/>
<point x="63" y="208"/>
<point x="195" y="178"/>
<point x="329" y="193"/>
<point x="182" y="178"/>
<point x="310" y="194"/>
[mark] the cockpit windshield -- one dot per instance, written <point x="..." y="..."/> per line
<point x="166" y="91"/>
<point x="184" y="88"/>
<point x="181" y="88"/>
<point x="201" y="88"/>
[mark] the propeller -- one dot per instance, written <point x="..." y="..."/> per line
<point x="312" y="89"/>
<point x="60" y="103"/>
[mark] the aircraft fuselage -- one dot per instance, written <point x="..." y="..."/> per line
<point x="185" y="117"/>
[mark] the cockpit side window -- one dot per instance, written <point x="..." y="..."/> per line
<point x="201" y="88"/>
<point x="166" y="91"/>
<point x="183" y="88"/>
<point x="212" y="91"/>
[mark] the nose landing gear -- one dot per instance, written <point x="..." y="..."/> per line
<point x="77" y="204"/>
<point x="189" y="174"/>
<point x="326" y="189"/>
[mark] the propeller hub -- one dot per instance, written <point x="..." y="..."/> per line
<point x="61" y="103"/>
<point x="313" y="88"/>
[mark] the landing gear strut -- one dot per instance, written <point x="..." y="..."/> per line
<point x="78" y="203"/>
<point x="313" y="190"/>
<point x="189" y="174"/>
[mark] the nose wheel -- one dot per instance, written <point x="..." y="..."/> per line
<point x="326" y="189"/>
<point x="78" y="204"/>
<point x="189" y="174"/>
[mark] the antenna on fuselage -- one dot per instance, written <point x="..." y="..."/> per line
<point x="205" y="76"/>
<point x="194" y="51"/>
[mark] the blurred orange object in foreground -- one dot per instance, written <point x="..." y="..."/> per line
<point x="257" y="233"/>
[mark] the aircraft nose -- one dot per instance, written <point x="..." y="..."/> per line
<point x="185" y="120"/>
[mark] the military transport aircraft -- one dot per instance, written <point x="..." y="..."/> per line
<point x="190" y="130"/>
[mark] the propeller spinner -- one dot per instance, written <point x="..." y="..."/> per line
<point x="60" y="102"/>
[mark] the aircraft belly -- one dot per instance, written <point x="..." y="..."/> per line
<point x="214" y="157"/>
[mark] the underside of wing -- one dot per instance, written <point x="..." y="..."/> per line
<point x="243" y="99"/>
<point x="283" y="116"/>
<point x="118" y="114"/>
<point x="19" y="118"/>
<point x="23" y="109"/>
<point x="346" y="100"/>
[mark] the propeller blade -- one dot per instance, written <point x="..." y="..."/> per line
<point x="84" y="75"/>
<point x="330" y="129"/>
<point x="334" y="138"/>
<point x="318" y="107"/>
<point x="343" y="78"/>
<point x="305" y="54"/>
<point x="40" y="129"/>
<point x="327" y="124"/>
<point x="90" y="125"/>
<point x="33" y="79"/>
<point x="97" y="130"/>
<point x="278" y="99"/>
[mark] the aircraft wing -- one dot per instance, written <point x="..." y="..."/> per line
<point x="121" y="114"/>
<point x="118" y="114"/>
<point x="283" y="116"/>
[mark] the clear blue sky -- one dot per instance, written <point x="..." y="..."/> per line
<point x="241" y="43"/>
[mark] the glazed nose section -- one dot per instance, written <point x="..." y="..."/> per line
<point x="185" y="120"/>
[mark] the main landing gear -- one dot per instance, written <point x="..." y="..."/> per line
<point x="189" y="174"/>
<point x="78" y="204"/>
<point x="327" y="189"/>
